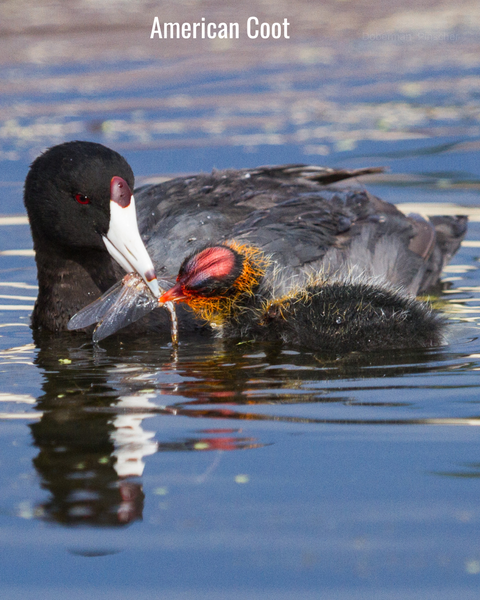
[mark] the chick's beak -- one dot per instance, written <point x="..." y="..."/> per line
<point x="174" y="294"/>
<point x="123" y="240"/>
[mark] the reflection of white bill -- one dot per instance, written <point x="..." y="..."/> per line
<point x="131" y="441"/>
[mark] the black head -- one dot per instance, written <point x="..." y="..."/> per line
<point x="68" y="192"/>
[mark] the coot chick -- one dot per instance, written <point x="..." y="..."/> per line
<point x="340" y="311"/>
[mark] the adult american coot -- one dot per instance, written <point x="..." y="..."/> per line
<point x="299" y="233"/>
<point x="83" y="222"/>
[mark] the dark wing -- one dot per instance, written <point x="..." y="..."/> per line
<point x="321" y="175"/>
<point x="300" y="230"/>
<point x="293" y="214"/>
<point x="180" y="216"/>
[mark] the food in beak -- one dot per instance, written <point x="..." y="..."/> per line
<point x="123" y="304"/>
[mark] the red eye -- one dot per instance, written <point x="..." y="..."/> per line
<point x="81" y="199"/>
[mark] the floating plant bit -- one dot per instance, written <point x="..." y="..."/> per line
<point x="123" y="304"/>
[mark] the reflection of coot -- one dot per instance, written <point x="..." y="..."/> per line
<point x="88" y="395"/>
<point x="78" y="194"/>
<point x="96" y="430"/>
<point x="77" y="468"/>
<point x="76" y="459"/>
